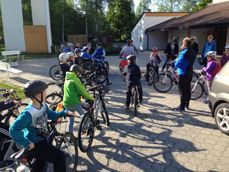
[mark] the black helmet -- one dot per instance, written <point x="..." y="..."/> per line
<point x="75" y="68"/>
<point x="32" y="88"/>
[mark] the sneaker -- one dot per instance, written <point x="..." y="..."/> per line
<point x="178" y="109"/>
<point x="98" y="126"/>
<point x="127" y="108"/>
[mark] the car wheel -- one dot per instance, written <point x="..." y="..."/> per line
<point x="221" y="116"/>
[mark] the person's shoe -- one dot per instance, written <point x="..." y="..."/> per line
<point x="178" y="109"/>
<point x="98" y="126"/>
<point x="205" y="101"/>
<point x="127" y="108"/>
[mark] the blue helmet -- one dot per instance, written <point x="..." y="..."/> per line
<point x="67" y="49"/>
<point x="78" y="50"/>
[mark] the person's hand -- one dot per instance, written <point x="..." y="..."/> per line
<point x="71" y="114"/>
<point x="31" y="146"/>
<point x="59" y="120"/>
<point x="202" y="72"/>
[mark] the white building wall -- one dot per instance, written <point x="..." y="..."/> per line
<point x="218" y="1"/>
<point x="138" y="34"/>
<point x="41" y="16"/>
<point x="12" y="20"/>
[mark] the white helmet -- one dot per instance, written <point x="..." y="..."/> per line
<point x="63" y="57"/>
<point x="69" y="54"/>
<point x="211" y="53"/>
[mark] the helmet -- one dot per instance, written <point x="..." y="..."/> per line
<point x="77" y="50"/>
<point x="227" y="46"/>
<point x="131" y="57"/>
<point x="211" y="53"/>
<point x="63" y="57"/>
<point x="32" y="88"/>
<point x="154" y="49"/>
<point x="70" y="54"/>
<point x="75" y="68"/>
<point x="67" y="49"/>
<point x="85" y="48"/>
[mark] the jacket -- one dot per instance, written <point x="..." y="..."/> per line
<point x="73" y="90"/>
<point x="133" y="75"/>
<point x="184" y="62"/>
<point x="209" y="46"/>
<point x="31" y="125"/>
<point x="211" y="70"/>
<point x="224" y="60"/>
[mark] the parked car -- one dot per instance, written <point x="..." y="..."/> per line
<point x="219" y="99"/>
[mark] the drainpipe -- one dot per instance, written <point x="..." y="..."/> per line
<point x="147" y="44"/>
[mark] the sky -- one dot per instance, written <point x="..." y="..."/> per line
<point x="136" y="2"/>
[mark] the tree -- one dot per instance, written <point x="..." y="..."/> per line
<point x="142" y="7"/>
<point x="182" y="5"/>
<point x="121" y="18"/>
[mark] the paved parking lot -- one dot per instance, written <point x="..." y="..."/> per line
<point x="157" y="139"/>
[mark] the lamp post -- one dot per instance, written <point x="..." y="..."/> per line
<point x="86" y="26"/>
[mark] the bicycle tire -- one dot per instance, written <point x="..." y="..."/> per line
<point x="151" y="78"/>
<point x="161" y="82"/>
<point x="196" y="92"/>
<point x="55" y="73"/>
<point x="106" y="118"/>
<point x="88" y="130"/>
<point x="53" y="99"/>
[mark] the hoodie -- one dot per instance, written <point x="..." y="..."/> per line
<point x="73" y="90"/>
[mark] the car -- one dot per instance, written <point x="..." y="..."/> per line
<point x="219" y="99"/>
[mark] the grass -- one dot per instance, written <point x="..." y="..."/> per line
<point x="19" y="90"/>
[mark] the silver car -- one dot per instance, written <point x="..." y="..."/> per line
<point x="219" y="99"/>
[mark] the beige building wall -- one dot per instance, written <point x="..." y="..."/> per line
<point x="36" y="39"/>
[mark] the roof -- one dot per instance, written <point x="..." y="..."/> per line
<point x="160" y="14"/>
<point x="214" y="14"/>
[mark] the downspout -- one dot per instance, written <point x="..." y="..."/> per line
<point x="147" y="42"/>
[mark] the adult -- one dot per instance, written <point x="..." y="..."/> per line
<point x="225" y="57"/>
<point x="171" y="51"/>
<point x="127" y="49"/>
<point x="184" y="65"/>
<point x="194" y="44"/>
<point x="210" y="45"/>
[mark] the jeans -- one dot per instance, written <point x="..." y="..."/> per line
<point x="45" y="152"/>
<point x="76" y="108"/>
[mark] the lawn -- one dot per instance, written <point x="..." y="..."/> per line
<point x="19" y="90"/>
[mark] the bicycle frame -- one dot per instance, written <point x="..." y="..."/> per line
<point x="202" y="81"/>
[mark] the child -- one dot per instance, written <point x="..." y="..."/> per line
<point x="154" y="60"/>
<point x="30" y="129"/>
<point x="64" y="66"/>
<point x="225" y="57"/>
<point x="73" y="90"/>
<point x="212" y="68"/>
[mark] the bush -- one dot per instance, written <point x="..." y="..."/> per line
<point x="112" y="50"/>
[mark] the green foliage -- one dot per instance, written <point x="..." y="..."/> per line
<point x="181" y="5"/>
<point x="142" y="7"/>
<point x="121" y="18"/>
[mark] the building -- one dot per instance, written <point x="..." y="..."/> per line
<point x="33" y="39"/>
<point x="214" y="19"/>
<point x="144" y="40"/>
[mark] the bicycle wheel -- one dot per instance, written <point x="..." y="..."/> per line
<point x="164" y="83"/>
<point x="104" y="113"/>
<point x="68" y="144"/>
<point x="196" y="90"/>
<point x="53" y="98"/>
<point x="151" y="78"/>
<point x="55" y="72"/>
<point x="86" y="133"/>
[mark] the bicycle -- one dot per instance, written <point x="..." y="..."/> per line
<point x="166" y="80"/>
<point x="7" y="145"/>
<point x="198" y="87"/>
<point x="153" y="76"/>
<point x="65" y="142"/>
<point x="90" y="119"/>
<point x="55" y="71"/>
